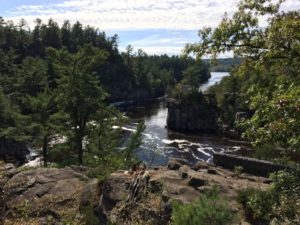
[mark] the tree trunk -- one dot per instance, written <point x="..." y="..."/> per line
<point x="80" y="155"/>
<point x="79" y="149"/>
<point x="45" y="151"/>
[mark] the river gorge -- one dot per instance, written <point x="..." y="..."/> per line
<point x="161" y="143"/>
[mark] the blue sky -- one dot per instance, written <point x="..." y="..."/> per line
<point x="156" y="26"/>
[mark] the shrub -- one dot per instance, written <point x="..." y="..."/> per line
<point x="281" y="201"/>
<point x="209" y="209"/>
<point x="89" y="217"/>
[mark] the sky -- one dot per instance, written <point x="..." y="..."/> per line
<point x="156" y="26"/>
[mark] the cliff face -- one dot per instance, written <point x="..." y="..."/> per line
<point x="197" y="116"/>
<point x="140" y="196"/>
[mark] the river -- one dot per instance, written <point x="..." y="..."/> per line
<point x="160" y="143"/>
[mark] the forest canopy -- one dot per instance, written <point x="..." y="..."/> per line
<point x="56" y="84"/>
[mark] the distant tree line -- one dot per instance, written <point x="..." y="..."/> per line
<point x="223" y="64"/>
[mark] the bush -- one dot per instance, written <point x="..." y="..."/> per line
<point x="281" y="201"/>
<point x="209" y="209"/>
<point x="89" y="217"/>
<point x="257" y="204"/>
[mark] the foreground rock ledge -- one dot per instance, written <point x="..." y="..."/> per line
<point x="59" y="196"/>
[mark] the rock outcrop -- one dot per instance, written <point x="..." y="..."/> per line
<point x="189" y="116"/>
<point x="145" y="196"/>
<point x="140" y="196"/>
<point x="12" y="150"/>
<point x="44" y="196"/>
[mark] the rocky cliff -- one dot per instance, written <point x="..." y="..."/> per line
<point x="139" y="196"/>
<point x="200" y="115"/>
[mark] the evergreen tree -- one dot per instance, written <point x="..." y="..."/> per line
<point x="66" y="39"/>
<point x="104" y="138"/>
<point x="46" y="123"/>
<point x="37" y="48"/>
<point x="79" y="92"/>
<point x="51" y="34"/>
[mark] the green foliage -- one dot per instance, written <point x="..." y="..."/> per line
<point x="238" y="170"/>
<point x="187" y="95"/>
<point x="45" y="122"/>
<point x="196" y="74"/>
<point x="228" y="99"/>
<point x="104" y="135"/>
<point x="209" y="209"/>
<point x="51" y="97"/>
<point x="12" y="121"/>
<point x="79" y="92"/>
<point x="280" y="201"/>
<point x="133" y="143"/>
<point x="89" y="217"/>
<point x="142" y="76"/>
<point x="277" y="119"/>
<point x="266" y="84"/>
<point x="257" y="204"/>
<point x="103" y="154"/>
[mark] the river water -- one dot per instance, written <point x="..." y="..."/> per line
<point x="160" y="143"/>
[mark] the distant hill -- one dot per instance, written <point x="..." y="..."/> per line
<point x="224" y="65"/>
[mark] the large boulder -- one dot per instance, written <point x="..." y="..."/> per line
<point x="31" y="196"/>
<point x="6" y="172"/>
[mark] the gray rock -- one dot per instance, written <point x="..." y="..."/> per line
<point x="183" y="171"/>
<point x="196" y="182"/>
<point x="201" y="165"/>
<point x="44" y="192"/>
<point x="90" y="194"/>
<point x="212" y="171"/>
<point x="114" y="190"/>
<point x="176" y="163"/>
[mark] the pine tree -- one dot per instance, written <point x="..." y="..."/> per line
<point x="79" y="92"/>
<point x="46" y="123"/>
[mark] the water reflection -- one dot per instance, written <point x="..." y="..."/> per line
<point x="216" y="77"/>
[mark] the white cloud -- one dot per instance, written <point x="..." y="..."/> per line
<point x="153" y="50"/>
<point x="177" y="16"/>
<point x="131" y="14"/>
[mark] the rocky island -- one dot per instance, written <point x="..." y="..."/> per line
<point x="200" y="115"/>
